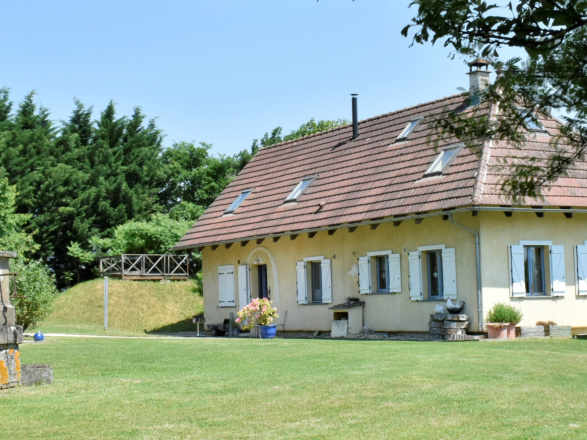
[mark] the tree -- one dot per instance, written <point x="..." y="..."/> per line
<point x="552" y="33"/>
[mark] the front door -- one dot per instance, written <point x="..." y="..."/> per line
<point x="262" y="277"/>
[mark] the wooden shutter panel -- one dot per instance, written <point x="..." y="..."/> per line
<point x="226" y="294"/>
<point x="581" y="264"/>
<point x="326" y="281"/>
<point x="415" y="269"/>
<point x="557" y="270"/>
<point x="301" y="282"/>
<point x="244" y="285"/>
<point x="517" y="270"/>
<point x="395" y="274"/>
<point x="449" y="273"/>
<point x="364" y="275"/>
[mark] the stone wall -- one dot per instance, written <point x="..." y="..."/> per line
<point x="10" y="333"/>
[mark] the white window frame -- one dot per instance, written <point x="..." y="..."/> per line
<point x="226" y="286"/>
<point x="238" y="201"/>
<point x="409" y="128"/>
<point x="368" y="280"/>
<point x="530" y="125"/>
<point x="449" y="273"/>
<point x="438" y="167"/>
<point x="302" y="280"/>
<point x="555" y="268"/>
<point x="300" y="189"/>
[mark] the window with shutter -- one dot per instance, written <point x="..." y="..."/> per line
<point x="379" y="272"/>
<point x="314" y="280"/>
<point x="537" y="268"/>
<point x="244" y="285"/>
<point x="415" y="269"/>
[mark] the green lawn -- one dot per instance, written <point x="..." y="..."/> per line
<point x="301" y="389"/>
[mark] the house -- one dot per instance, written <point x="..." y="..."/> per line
<point x="370" y="210"/>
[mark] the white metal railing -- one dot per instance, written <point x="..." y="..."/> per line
<point x="146" y="265"/>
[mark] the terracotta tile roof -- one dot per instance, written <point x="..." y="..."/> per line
<point x="368" y="178"/>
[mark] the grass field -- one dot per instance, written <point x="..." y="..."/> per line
<point x="301" y="389"/>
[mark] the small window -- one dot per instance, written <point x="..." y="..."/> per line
<point x="242" y="196"/>
<point x="537" y="268"/>
<point x="434" y="266"/>
<point x="314" y="281"/>
<point x="432" y="272"/>
<point x="443" y="160"/>
<point x="409" y="128"/>
<point x="531" y="121"/>
<point x="379" y="272"/>
<point x="299" y="189"/>
<point x="534" y="270"/>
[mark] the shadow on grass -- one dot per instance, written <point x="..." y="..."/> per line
<point x="181" y="326"/>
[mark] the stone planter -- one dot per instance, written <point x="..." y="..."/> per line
<point x="498" y="330"/>
<point x="511" y="331"/>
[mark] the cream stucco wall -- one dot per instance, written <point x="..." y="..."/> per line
<point x="382" y="312"/>
<point x="498" y="232"/>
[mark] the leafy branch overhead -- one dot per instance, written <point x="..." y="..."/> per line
<point x="550" y="80"/>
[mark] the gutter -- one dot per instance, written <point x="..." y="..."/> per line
<point x="479" y="297"/>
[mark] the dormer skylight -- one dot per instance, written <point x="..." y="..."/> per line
<point x="241" y="198"/>
<point x="443" y="160"/>
<point x="531" y="122"/>
<point x="299" y="189"/>
<point x="409" y="128"/>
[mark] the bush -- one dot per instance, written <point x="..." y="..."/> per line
<point x="501" y="312"/>
<point x="36" y="290"/>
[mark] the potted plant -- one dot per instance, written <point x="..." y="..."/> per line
<point x="259" y="312"/>
<point x="501" y="321"/>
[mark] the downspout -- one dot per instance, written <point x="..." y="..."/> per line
<point x="479" y="299"/>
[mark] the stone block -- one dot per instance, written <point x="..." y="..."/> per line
<point x="560" y="331"/>
<point x="455" y="324"/>
<point x="437" y="317"/>
<point x="36" y="374"/>
<point x="437" y="331"/>
<point x="10" y="334"/>
<point x="454" y="331"/>
<point x="532" y="331"/>
<point x="456" y="317"/>
<point x="9" y="366"/>
<point x="339" y="328"/>
<point x="7" y="315"/>
<point x="435" y="324"/>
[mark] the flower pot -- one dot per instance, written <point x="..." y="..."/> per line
<point x="511" y="331"/>
<point x="497" y="330"/>
<point x="268" y="331"/>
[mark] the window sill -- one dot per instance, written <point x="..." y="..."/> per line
<point x="314" y="304"/>
<point x="381" y="293"/>
<point x="537" y="297"/>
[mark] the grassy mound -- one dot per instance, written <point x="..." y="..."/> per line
<point x="133" y="307"/>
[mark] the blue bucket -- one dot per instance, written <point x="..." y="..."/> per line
<point x="268" y="331"/>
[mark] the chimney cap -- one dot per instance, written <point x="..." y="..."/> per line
<point x="479" y="63"/>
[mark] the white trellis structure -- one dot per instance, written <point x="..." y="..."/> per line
<point x="146" y="266"/>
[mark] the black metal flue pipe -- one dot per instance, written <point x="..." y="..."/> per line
<point x="355" y="117"/>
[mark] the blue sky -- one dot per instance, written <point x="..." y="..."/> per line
<point x="225" y="71"/>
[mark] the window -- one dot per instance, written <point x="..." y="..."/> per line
<point x="409" y="128"/>
<point x="299" y="189"/>
<point x="531" y="121"/>
<point x="537" y="268"/>
<point x="314" y="281"/>
<point x="241" y="198"/>
<point x="379" y="272"/>
<point x="432" y="273"/>
<point x="226" y="287"/>
<point x="443" y="160"/>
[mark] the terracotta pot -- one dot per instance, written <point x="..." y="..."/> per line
<point x="497" y="330"/>
<point x="511" y="331"/>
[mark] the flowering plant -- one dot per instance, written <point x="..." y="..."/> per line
<point x="258" y="312"/>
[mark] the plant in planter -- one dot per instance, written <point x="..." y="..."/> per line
<point x="259" y="312"/>
<point x="501" y="321"/>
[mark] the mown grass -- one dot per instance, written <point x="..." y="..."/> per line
<point x="133" y="307"/>
<point x="301" y="389"/>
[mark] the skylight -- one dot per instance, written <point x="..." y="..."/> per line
<point x="299" y="189"/>
<point x="531" y="121"/>
<point x="241" y="197"/>
<point x="443" y="160"/>
<point x="409" y="128"/>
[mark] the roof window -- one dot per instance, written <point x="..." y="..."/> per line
<point x="443" y="160"/>
<point x="241" y="198"/>
<point x="299" y="189"/>
<point x="531" y="121"/>
<point x="409" y="128"/>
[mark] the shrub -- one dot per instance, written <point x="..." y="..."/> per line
<point x="36" y="290"/>
<point x="258" y="312"/>
<point x="501" y="312"/>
